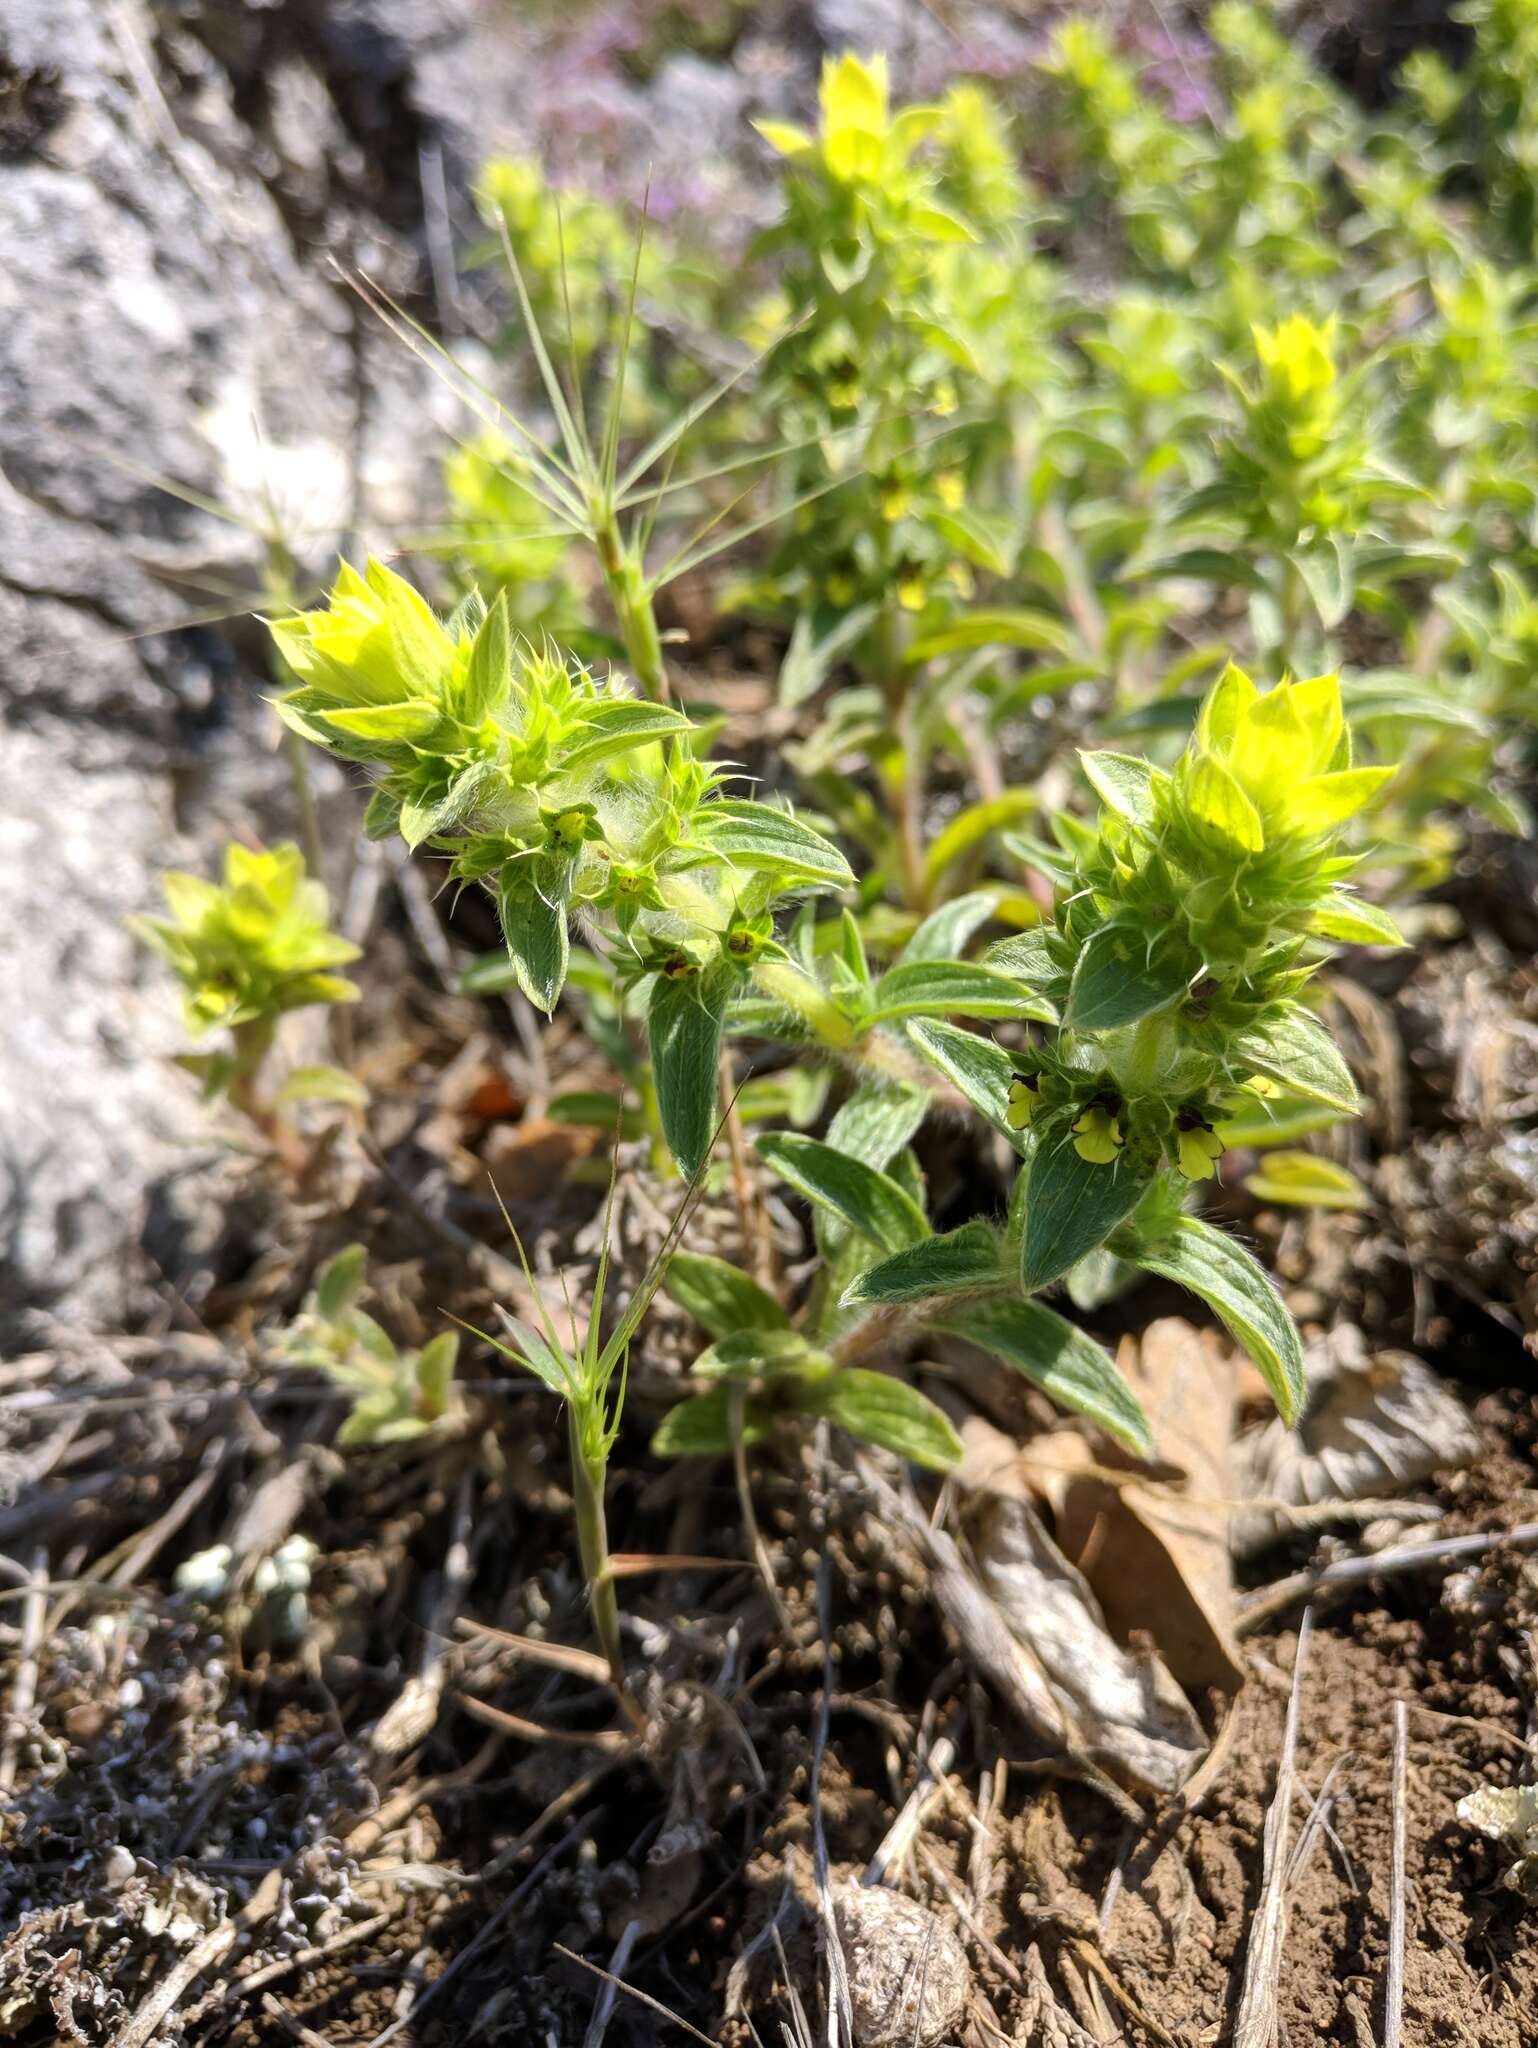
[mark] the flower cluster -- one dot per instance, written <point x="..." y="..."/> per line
<point x="252" y="947"/>
<point x="1187" y="926"/>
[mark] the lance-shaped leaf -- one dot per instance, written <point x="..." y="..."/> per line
<point x="684" y="1023"/>
<point x="808" y="660"/>
<point x="877" y="1121"/>
<point x="1347" y="918"/>
<point x="1038" y="631"/>
<point x="957" y="988"/>
<point x="1072" y="1205"/>
<point x="975" y="1067"/>
<point x="757" y="836"/>
<point x="340" y="1281"/>
<point x="701" y="1427"/>
<point x="870" y="1202"/>
<point x="720" y="1297"/>
<point x="761" y="1354"/>
<point x="323" y="1084"/>
<point x="1203" y="565"/>
<point x="1127" y="784"/>
<point x="885" y="1411"/>
<point x="408" y="720"/>
<point x="945" y="931"/>
<point x="1305" y="1181"/>
<point x="1060" y="1359"/>
<point x="419" y="821"/>
<point x="963" y="1261"/>
<point x="1028" y="957"/>
<point x="970" y="828"/>
<point x="1296" y="1050"/>
<point x="533" y="899"/>
<point x="489" y="671"/>
<point x="1215" y="799"/>
<point x="616" y="725"/>
<point x="1236" y="1287"/>
<point x="1117" y="980"/>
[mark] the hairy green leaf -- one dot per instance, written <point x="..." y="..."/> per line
<point x="615" y="726"/>
<point x="886" y="1411"/>
<point x="954" y="988"/>
<point x="721" y="1297"/>
<point x="877" y="1121"/>
<point x="869" y="1201"/>
<point x="1057" y="1357"/>
<point x="1296" y="1050"/>
<point x="760" y="1354"/>
<point x="701" y="1427"/>
<point x="1072" y="1205"/>
<point x="759" y="837"/>
<point x="975" y="1067"/>
<point x="1127" y="784"/>
<point x="1115" y="981"/>
<point x="533" y="899"/>
<point x="961" y="1262"/>
<point x="945" y="931"/>
<point x="1039" y="632"/>
<point x="1236" y="1288"/>
<point x="684" y="1022"/>
<point x="340" y="1281"/>
<point x="1354" y="922"/>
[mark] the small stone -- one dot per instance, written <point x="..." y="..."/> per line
<point x="909" y="1979"/>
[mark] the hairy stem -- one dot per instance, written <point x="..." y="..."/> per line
<point x="587" y="1489"/>
<point x="631" y="597"/>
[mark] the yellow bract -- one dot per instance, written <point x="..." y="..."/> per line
<point x="376" y="637"/>
<point x="1273" y="766"/>
<point x="1298" y="359"/>
<point x="855" y="102"/>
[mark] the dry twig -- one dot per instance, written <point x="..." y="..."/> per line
<point x="1393" y="1996"/>
<point x="1256" y="2023"/>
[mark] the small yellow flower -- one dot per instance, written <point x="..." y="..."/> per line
<point x="895" y="499"/>
<point x="945" y="401"/>
<point x="912" y="591"/>
<point x="950" y="488"/>
<point x="1199" y="1149"/>
<point x="1097" y="1135"/>
<point x="1023" y="1091"/>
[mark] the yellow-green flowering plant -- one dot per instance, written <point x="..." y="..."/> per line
<point x="565" y="797"/>
<point x="1187" y="926"/>
<point x="247" y="950"/>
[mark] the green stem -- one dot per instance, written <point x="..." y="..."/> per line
<point x="252" y="1041"/>
<point x="587" y="1489"/>
<point x="631" y="596"/>
<point x="805" y="1000"/>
